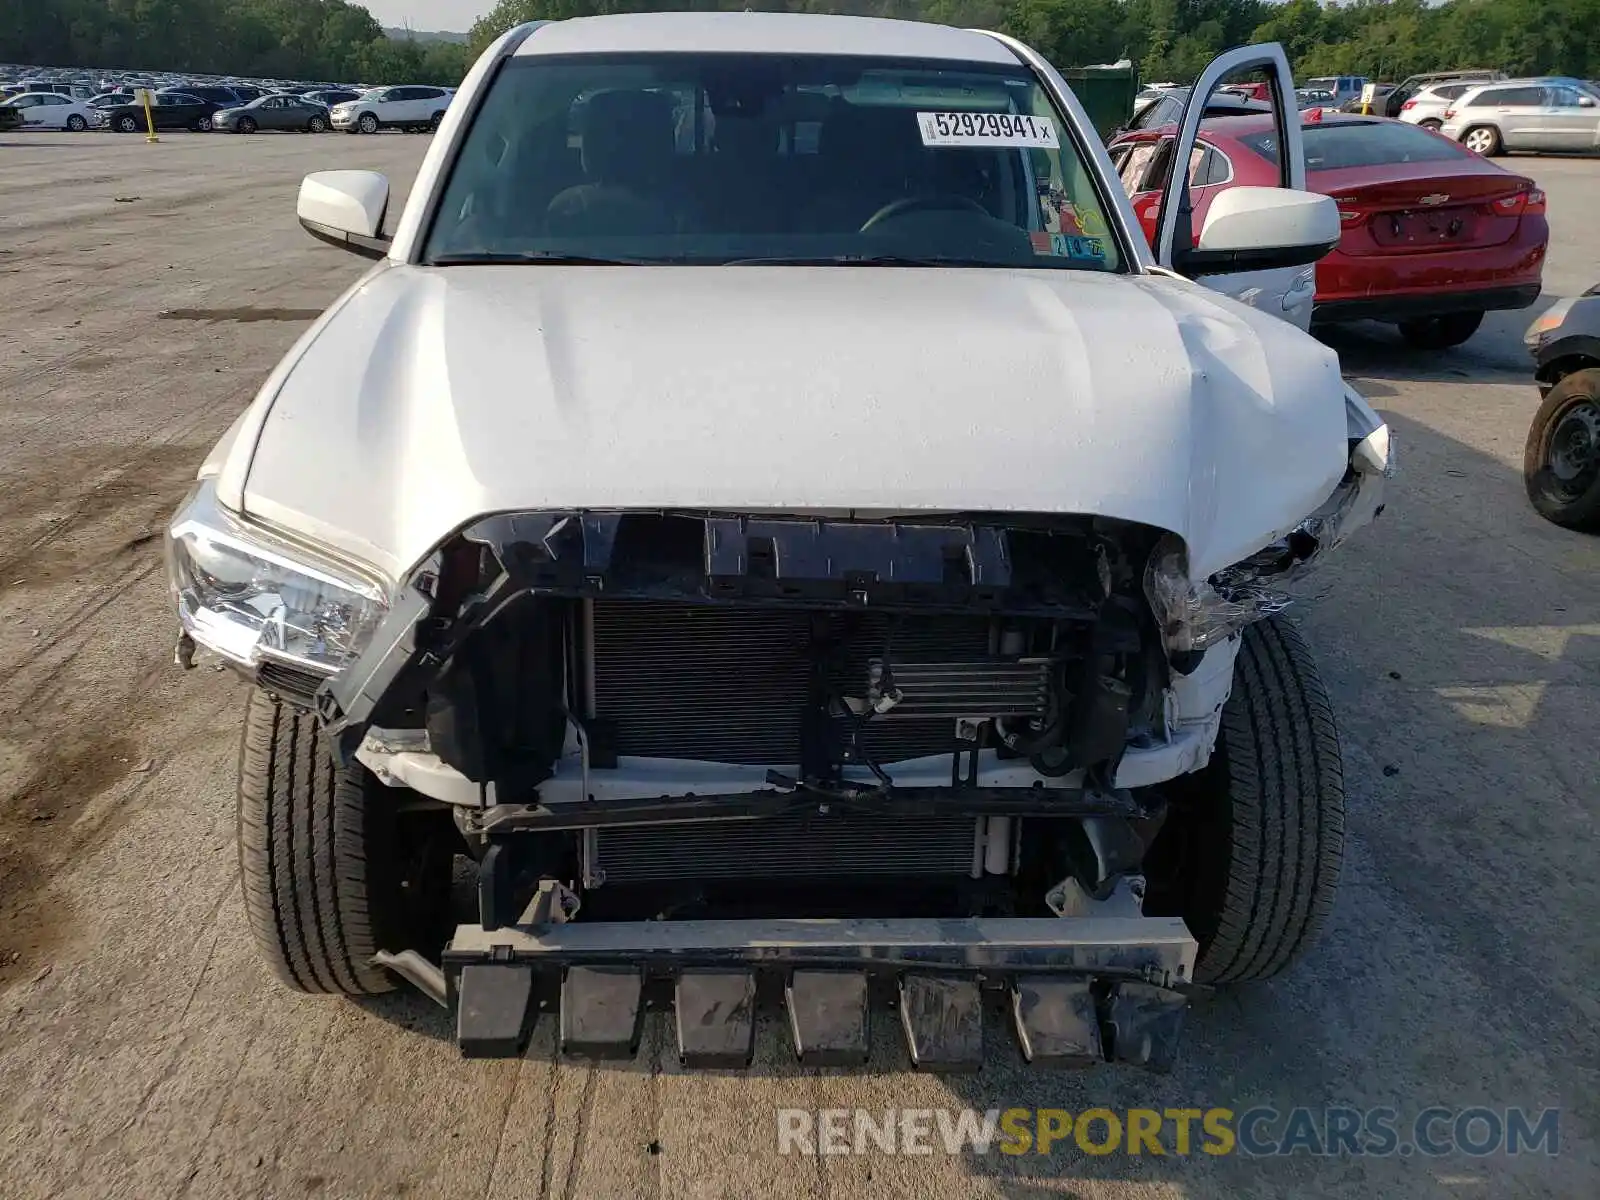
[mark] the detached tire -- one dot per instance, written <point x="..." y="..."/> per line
<point x="331" y="872"/>
<point x="1561" y="462"/>
<point x="1255" y="845"/>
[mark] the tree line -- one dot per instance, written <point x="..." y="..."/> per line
<point x="314" y="40"/>
<point x="1169" y="39"/>
<point x="1174" y="39"/>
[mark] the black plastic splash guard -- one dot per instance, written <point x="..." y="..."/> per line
<point x="1053" y="569"/>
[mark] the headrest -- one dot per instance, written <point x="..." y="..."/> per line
<point x="865" y="135"/>
<point x="626" y="134"/>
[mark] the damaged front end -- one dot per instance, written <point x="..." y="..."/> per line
<point x="686" y="714"/>
<point x="1195" y="615"/>
<point x="690" y="726"/>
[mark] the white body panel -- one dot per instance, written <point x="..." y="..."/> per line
<point x="437" y="395"/>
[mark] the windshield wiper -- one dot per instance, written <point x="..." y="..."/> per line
<point x="548" y="257"/>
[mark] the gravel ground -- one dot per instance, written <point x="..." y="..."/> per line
<point x="145" y="1053"/>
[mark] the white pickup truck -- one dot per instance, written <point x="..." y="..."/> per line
<point x="770" y="511"/>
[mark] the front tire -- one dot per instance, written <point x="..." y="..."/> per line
<point x="368" y="123"/>
<point x="1482" y="139"/>
<point x="244" y="125"/>
<point x="1561" y="462"/>
<point x="1441" y="332"/>
<point x="127" y="125"/>
<point x="331" y="872"/>
<point x="1251" y="851"/>
<point x="76" y="124"/>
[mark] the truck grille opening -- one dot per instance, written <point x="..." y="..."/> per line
<point x="731" y="685"/>
<point x="805" y="846"/>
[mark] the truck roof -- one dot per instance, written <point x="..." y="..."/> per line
<point x="763" y="33"/>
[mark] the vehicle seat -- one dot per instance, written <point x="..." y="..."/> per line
<point x="869" y="157"/>
<point x="628" y="146"/>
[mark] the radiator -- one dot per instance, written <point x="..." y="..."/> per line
<point x="729" y="685"/>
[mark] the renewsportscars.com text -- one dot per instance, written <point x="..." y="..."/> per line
<point x="1435" y="1131"/>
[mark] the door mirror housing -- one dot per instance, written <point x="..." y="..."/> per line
<point x="346" y="209"/>
<point x="1586" y="102"/>
<point x="1261" y="229"/>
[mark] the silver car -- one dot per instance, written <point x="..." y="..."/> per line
<point x="1558" y="116"/>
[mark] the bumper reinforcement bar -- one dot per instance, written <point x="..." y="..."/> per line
<point x="1079" y="990"/>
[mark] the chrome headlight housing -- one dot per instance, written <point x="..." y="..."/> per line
<point x="252" y="596"/>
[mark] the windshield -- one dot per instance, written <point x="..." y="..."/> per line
<point x="719" y="158"/>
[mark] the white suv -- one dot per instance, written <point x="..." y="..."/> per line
<point x="409" y="108"/>
<point x="1428" y="106"/>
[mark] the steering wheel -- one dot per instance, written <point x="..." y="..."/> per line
<point x="948" y="202"/>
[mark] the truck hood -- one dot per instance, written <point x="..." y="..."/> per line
<point x="427" y="397"/>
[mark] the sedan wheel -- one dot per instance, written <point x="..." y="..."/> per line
<point x="202" y="124"/>
<point x="1482" y="139"/>
<point x="76" y="123"/>
<point x="368" y="123"/>
<point x="317" y="125"/>
<point x="246" y="125"/>
<point x="127" y="125"/>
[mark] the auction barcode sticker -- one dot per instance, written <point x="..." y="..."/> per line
<point x="987" y="129"/>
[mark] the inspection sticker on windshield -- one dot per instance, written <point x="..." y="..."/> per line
<point x="987" y="129"/>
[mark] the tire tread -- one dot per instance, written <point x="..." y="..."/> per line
<point x="302" y="830"/>
<point x="1285" y="809"/>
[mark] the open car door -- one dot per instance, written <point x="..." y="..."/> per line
<point x="1247" y="248"/>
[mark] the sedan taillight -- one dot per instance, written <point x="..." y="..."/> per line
<point x="1519" y="203"/>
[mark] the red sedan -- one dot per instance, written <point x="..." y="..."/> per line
<point x="1433" y="235"/>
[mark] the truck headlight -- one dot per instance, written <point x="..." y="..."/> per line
<point x="251" y="595"/>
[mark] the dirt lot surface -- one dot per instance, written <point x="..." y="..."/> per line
<point x="145" y="1053"/>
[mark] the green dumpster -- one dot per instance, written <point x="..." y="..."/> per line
<point x="1106" y="92"/>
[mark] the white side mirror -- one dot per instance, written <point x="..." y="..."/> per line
<point x="1261" y="228"/>
<point x="346" y="209"/>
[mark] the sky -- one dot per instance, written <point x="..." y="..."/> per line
<point x="451" y="15"/>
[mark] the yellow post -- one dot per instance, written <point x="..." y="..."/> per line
<point x="1369" y="93"/>
<point x="149" y="117"/>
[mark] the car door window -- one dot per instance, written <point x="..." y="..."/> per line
<point x="1561" y="97"/>
<point x="1135" y="166"/>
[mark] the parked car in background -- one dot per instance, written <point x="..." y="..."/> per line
<point x="222" y="97"/>
<point x="1313" y="98"/>
<point x="247" y="92"/>
<point x="273" y="112"/>
<point x="1343" y="87"/>
<point x="407" y="107"/>
<point x="1166" y="107"/>
<point x="1432" y="236"/>
<point x="1561" y="117"/>
<point x="1432" y="100"/>
<point x="331" y="97"/>
<point x="1561" y="461"/>
<point x="1355" y="104"/>
<point x="1412" y="84"/>
<point x="51" y="110"/>
<point x="170" y="110"/>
